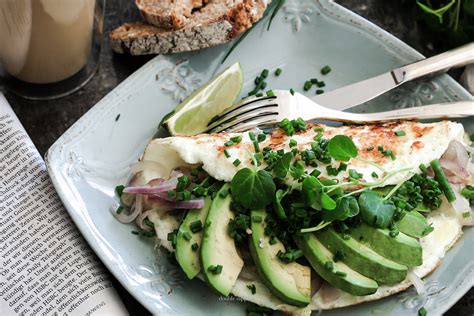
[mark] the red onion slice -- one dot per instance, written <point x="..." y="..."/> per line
<point x="128" y="217"/>
<point x="454" y="162"/>
<point x="141" y="218"/>
<point x="191" y="204"/>
<point x="164" y="186"/>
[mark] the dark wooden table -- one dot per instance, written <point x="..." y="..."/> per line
<point x="45" y="121"/>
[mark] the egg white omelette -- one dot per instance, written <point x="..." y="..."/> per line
<point x="420" y="144"/>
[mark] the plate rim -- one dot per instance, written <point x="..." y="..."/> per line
<point x="65" y="192"/>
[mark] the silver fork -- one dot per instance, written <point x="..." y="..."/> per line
<point x="270" y="110"/>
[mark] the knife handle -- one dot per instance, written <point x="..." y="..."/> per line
<point x="457" y="57"/>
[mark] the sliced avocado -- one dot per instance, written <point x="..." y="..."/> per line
<point x="402" y="248"/>
<point x="290" y="282"/>
<point x="218" y="249"/>
<point x="361" y="258"/>
<point x="187" y="254"/>
<point x="336" y="273"/>
<point x="413" y="224"/>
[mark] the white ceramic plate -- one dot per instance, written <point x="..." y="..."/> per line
<point x="94" y="155"/>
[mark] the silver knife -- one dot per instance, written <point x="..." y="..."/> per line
<point x="363" y="91"/>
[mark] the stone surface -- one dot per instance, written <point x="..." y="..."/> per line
<point x="45" y="121"/>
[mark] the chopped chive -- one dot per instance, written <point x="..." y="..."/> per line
<point x="196" y="226"/>
<point x="466" y="214"/>
<point x="314" y="81"/>
<point x="194" y="247"/>
<point x="261" y="137"/>
<point x="329" y="265"/>
<point x="370" y="148"/>
<point x="229" y="143"/>
<point x="422" y="312"/>
<point x="292" y="91"/>
<point x="236" y="139"/>
<point x="319" y="91"/>
<point x="236" y="162"/>
<point x="440" y="176"/>
<point x="423" y="168"/>
<point x="257" y="219"/>
<point x="135" y="232"/>
<point x="277" y="72"/>
<point x="375" y="175"/>
<point x="264" y="73"/>
<point x="319" y="129"/>
<point x="293" y="143"/>
<point x="252" y="288"/>
<point x="259" y="95"/>
<point x="340" y="273"/>
<point x="226" y="153"/>
<point x="187" y="236"/>
<point x="223" y="194"/>
<point x="270" y="93"/>
<point x="400" y="133"/>
<point x="120" y="209"/>
<point x="380" y="148"/>
<point x="119" y="190"/>
<point x="256" y="146"/>
<point x="321" y="84"/>
<point x="215" y="269"/>
<point x="325" y="70"/>
<point x="315" y="173"/>
<point x="251" y="136"/>
<point x="307" y="85"/>
<point x="272" y="240"/>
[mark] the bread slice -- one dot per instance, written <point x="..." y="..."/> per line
<point x="170" y="14"/>
<point x="217" y="22"/>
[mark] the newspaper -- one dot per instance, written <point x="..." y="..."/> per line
<point x="46" y="267"/>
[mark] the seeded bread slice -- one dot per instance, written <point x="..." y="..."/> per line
<point x="168" y="14"/>
<point x="215" y="23"/>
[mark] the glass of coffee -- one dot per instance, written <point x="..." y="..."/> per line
<point x="49" y="48"/>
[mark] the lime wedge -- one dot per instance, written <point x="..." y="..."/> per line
<point x="193" y="114"/>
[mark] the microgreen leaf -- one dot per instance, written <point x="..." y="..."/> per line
<point x="279" y="210"/>
<point x="297" y="170"/>
<point x="327" y="202"/>
<point x="342" y="148"/>
<point x="253" y="189"/>
<point x="311" y="191"/>
<point x="374" y="210"/>
<point x="282" y="166"/>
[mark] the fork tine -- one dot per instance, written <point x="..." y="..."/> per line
<point x="255" y="121"/>
<point x="242" y="108"/>
<point x="241" y="119"/>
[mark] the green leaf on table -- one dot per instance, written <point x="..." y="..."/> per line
<point x="342" y="148"/>
<point x="468" y="6"/>
<point x="439" y="13"/>
<point x="282" y="166"/>
<point x="376" y="211"/>
<point x="253" y="189"/>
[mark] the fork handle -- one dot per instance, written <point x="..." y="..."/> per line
<point x="443" y="110"/>
<point x="457" y="57"/>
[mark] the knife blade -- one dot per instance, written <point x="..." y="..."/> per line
<point x="357" y="93"/>
<point x="366" y="90"/>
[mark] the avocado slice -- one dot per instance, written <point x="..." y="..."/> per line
<point x="402" y="248"/>
<point x="361" y="258"/>
<point x="350" y="281"/>
<point x="290" y="282"/>
<point x="218" y="248"/>
<point x="187" y="257"/>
